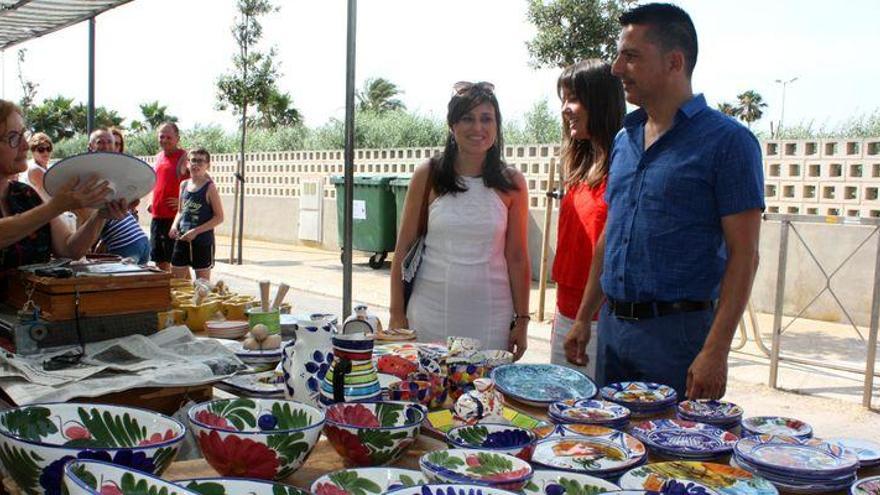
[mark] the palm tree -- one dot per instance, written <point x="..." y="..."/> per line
<point x="379" y="96"/>
<point x="154" y="116"/>
<point x="751" y="106"/>
<point x="727" y="109"/>
<point x="277" y="110"/>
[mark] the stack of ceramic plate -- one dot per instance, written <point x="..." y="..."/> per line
<point x="641" y="398"/>
<point x="867" y="451"/>
<point x="716" y="479"/>
<point x="605" y="456"/>
<point x="542" y="384"/>
<point x="776" y="425"/>
<point x="589" y="412"/>
<point x="676" y="438"/>
<point x="718" y="413"/>
<point x="231" y="329"/>
<point x="797" y="465"/>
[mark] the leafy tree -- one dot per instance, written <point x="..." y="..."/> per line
<point x="155" y="114"/>
<point x="54" y="116"/>
<point x="276" y="111"/>
<point x="751" y="107"/>
<point x="28" y="88"/>
<point x="379" y="95"/>
<point x="542" y="125"/>
<point x="727" y="109"/>
<point x="572" y="30"/>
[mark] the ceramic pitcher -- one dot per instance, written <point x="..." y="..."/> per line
<point x="307" y="358"/>
<point x="352" y="375"/>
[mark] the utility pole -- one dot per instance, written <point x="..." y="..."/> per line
<point x="784" y="83"/>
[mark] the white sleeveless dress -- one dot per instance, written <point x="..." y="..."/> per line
<point x="462" y="287"/>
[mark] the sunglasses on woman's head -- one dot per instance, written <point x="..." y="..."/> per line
<point x="462" y="87"/>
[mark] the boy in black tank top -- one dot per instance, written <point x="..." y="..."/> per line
<point x="193" y="227"/>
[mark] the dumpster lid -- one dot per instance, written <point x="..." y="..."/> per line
<point x="401" y="181"/>
<point x="366" y="180"/>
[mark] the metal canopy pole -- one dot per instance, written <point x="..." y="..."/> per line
<point x="780" y="302"/>
<point x="90" y="120"/>
<point x="868" y="390"/>
<point x="349" y="158"/>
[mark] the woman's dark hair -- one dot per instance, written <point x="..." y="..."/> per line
<point x="443" y="176"/>
<point x="601" y="94"/>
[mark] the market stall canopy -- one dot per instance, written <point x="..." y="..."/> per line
<point x="22" y="20"/>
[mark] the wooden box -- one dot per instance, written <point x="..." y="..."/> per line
<point x="98" y="295"/>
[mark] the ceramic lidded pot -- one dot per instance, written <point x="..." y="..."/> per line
<point x="307" y="358"/>
<point x="37" y="440"/>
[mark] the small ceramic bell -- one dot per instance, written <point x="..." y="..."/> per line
<point x="483" y="404"/>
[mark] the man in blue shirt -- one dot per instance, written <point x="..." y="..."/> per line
<point x="680" y="249"/>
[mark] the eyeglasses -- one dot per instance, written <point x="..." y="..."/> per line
<point x="43" y="149"/>
<point x="198" y="161"/>
<point x="14" y="138"/>
<point x="462" y="87"/>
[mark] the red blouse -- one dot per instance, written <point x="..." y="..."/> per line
<point x="582" y="217"/>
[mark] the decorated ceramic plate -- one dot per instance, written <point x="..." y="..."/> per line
<point x="710" y="411"/>
<point x="867" y="486"/>
<point x="129" y="177"/>
<point x="367" y="481"/>
<point x="867" y="451"/>
<point x="547" y="482"/>
<point x="573" y="430"/>
<point x="599" y="454"/>
<point x="253" y="356"/>
<point x="542" y="384"/>
<point x="684" y="438"/>
<point x="724" y="480"/>
<point x="590" y="411"/>
<point x="809" y="457"/>
<point x="670" y="487"/>
<point x="639" y="395"/>
<point x="476" y="467"/>
<point x="793" y="485"/>
<point x="264" y="384"/>
<point x="776" y="425"/>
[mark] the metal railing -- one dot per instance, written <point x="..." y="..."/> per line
<point x="787" y="224"/>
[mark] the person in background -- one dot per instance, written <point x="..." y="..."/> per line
<point x="41" y="151"/>
<point x="118" y="140"/>
<point x="474" y="278"/>
<point x="685" y="194"/>
<point x="31" y="230"/>
<point x="123" y="237"/>
<point x="593" y="107"/>
<point x="193" y="226"/>
<point x="171" y="170"/>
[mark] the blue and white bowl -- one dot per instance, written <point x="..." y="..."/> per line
<point x="476" y="467"/>
<point x="494" y="437"/>
<point x="90" y="477"/>
<point x="37" y="440"/>
<point x="237" y="486"/>
<point x="362" y="481"/>
<point x="452" y="489"/>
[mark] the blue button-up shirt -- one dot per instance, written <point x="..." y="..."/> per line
<point x="664" y="240"/>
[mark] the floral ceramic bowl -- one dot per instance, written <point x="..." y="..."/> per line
<point x="373" y="433"/>
<point x="494" y="437"/>
<point x="37" y="440"/>
<point x="238" y="486"/>
<point x="449" y="489"/>
<point x="367" y="481"/>
<point x="90" y="477"/>
<point x="256" y="438"/>
<point x="476" y="467"/>
<point x="412" y="391"/>
<point x="548" y="482"/>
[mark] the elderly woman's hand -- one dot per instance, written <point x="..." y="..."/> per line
<point x="75" y="194"/>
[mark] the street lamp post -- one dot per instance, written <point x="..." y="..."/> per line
<point x="784" y="83"/>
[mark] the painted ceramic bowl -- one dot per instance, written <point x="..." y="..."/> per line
<point x="373" y="433"/>
<point x="256" y="438"/>
<point x="476" y="467"/>
<point x="462" y="376"/>
<point x="866" y="486"/>
<point x="37" y="440"/>
<point x="494" y="437"/>
<point x="548" y="482"/>
<point x="90" y="477"/>
<point x="411" y="391"/>
<point x="439" y="387"/>
<point x="238" y="486"/>
<point x="367" y="481"/>
<point x="452" y="489"/>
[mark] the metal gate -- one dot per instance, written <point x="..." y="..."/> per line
<point x="311" y="210"/>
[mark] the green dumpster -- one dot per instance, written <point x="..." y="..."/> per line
<point x="373" y="216"/>
<point x="399" y="187"/>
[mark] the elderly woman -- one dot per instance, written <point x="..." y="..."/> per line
<point x="30" y="229"/>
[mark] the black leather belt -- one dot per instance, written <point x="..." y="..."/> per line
<point x="645" y="310"/>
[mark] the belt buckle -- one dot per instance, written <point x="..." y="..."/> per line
<point x="631" y="316"/>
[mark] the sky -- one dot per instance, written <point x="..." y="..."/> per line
<point x="174" y="50"/>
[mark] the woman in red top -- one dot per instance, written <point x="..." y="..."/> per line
<point x="593" y="108"/>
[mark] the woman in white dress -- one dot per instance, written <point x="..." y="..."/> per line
<point x="474" y="277"/>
